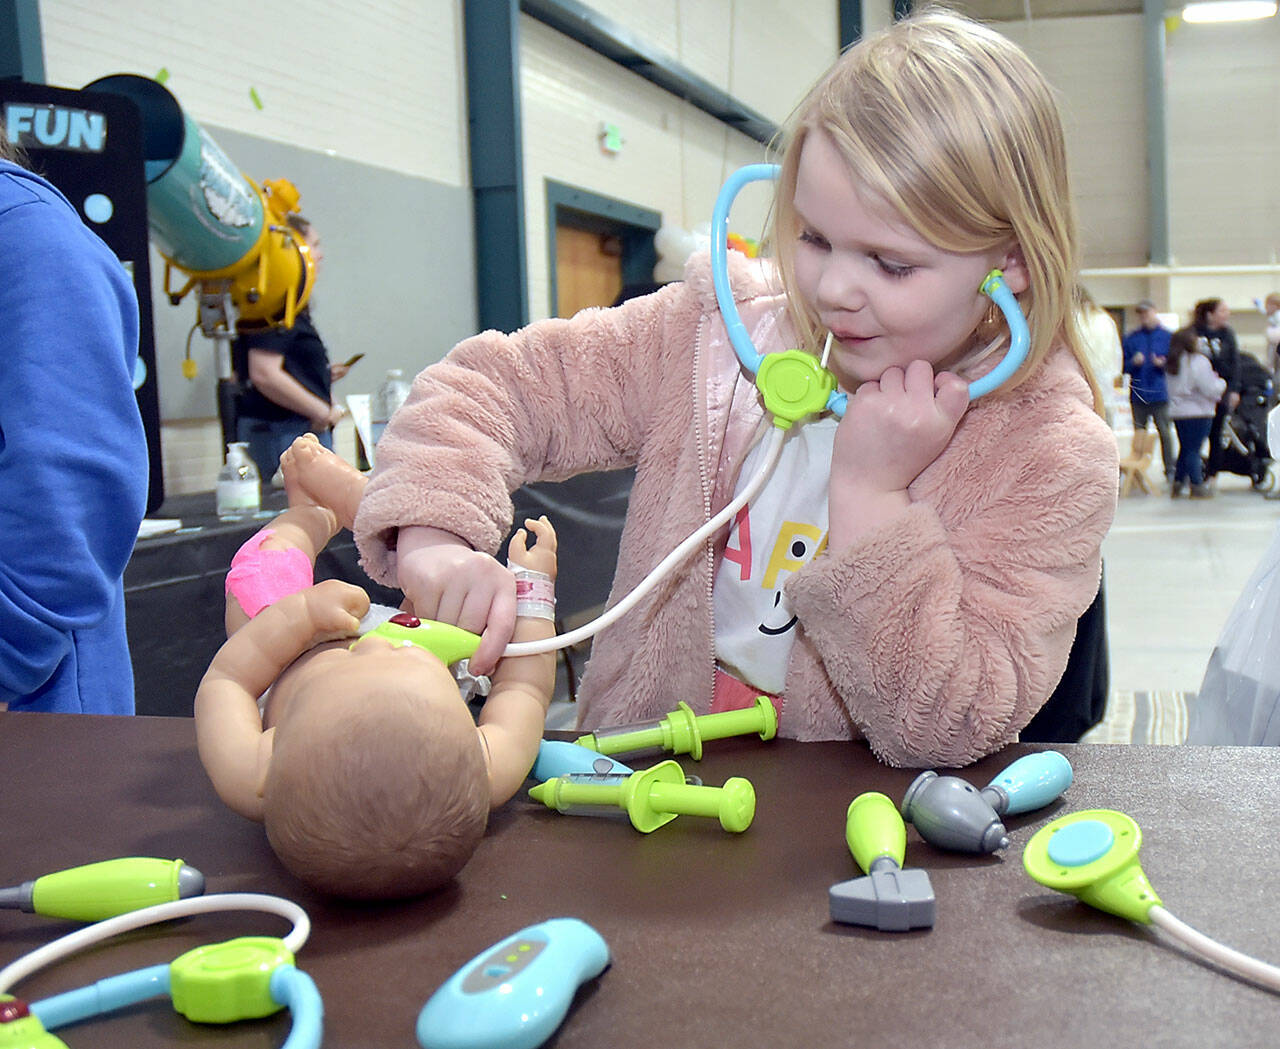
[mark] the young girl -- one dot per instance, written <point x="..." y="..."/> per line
<point x="911" y="573"/>
<point x="1194" y="393"/>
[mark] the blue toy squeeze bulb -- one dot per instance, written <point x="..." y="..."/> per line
<point x="515" y="994"/>
<point x="952" y="814"/>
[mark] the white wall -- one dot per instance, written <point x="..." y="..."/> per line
<point x="1096" y="66"/>
<point x="1224" y="134"/>
<point x="675" y="157"/>
<point x="379" y="83"/>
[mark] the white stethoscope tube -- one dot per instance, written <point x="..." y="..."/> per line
<point x="77" y="941"/>
<point x="772" y="450"/>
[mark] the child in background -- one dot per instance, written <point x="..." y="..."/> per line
<point x="1270" y="308"/>
<point x="361" y="759"/>
<point x="1194" y="392"/>
<point x="911" y="573"/>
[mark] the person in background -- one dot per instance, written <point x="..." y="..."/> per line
<point x="286" y="380"/>
<point x="1100" y="340"/>
<point x="1194" y="394"/>
<point x="1218" y="343"/>
<point x="1146" y="349"/>
<point x="911" y="574"/>
<point x="1270" y="308"/>
<point x="73" y="454"/>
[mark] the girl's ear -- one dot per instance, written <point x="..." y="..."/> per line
<point x="1014" y="266"/>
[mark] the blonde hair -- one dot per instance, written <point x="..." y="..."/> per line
<point x="378" y="798"/>
<point x="952" y="126"/>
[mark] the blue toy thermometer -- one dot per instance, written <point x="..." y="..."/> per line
<point x="515" y="994"/>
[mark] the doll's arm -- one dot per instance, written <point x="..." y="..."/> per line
<point x="514" y="715"/>
<point x="233" y="747"/>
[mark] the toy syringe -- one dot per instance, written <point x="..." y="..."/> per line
<point x="683" y="732"/>
<point x="651" y="798"/>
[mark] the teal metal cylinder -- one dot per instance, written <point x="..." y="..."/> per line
<point x="203" y="213"/>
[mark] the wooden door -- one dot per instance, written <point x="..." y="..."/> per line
<point x="588" y="269"/>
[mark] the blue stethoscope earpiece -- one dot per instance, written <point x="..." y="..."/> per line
<point x="793" y="383"/>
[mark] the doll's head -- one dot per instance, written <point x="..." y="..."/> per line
<point x="1272" y="303"/>
<point x="946" y="127"/>
<point x="377" y="785"/>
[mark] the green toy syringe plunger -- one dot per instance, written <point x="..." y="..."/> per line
<point x="651" y="798"/>
<point x="683" y="732"/>
<point x="97" y="891"/>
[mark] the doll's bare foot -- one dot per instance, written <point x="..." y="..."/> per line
<point x="541" y="557"/>
<point x="315" y="476"/>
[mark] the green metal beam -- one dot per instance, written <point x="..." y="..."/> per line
<point x="492" y="46"/>
<point x="21" y="47"/>
<point x="616" y="43"/>
<point x="850" y="22"/>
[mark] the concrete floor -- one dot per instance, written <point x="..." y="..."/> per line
<point x="1174" y="569"/>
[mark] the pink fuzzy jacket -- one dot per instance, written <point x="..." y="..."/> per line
<point x="936" y="638"/>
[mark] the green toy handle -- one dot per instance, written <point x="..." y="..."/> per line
<point x="653" y="797"/>
<point x="683" y="732"/>
<point x="874" y="829"/>
<point x="102" y="890"/>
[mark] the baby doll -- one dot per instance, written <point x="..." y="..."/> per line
<point x="362" y="759"/>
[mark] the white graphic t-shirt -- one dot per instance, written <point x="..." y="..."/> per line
<point x="782" y="530"/>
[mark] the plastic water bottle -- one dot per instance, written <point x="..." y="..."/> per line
<point x="386" y="399"/>
<point x="238" y="494"/>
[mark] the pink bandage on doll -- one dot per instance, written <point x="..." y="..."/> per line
<point x="261" y="577"/>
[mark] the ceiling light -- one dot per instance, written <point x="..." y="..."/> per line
<point x="1229" y="11"/>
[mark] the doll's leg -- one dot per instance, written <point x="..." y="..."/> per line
<point x="314" y="475"/>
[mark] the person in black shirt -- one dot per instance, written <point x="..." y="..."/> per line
<point x="1219" y="342"/>
<point x="286" y="381"/>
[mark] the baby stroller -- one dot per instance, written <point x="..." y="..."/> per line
<point x="1244" y="431"/>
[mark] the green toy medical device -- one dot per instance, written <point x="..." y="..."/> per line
<point x="683" y="732"/>
<point x="447" y="642"/>
<point x="888" y="898"/>
<point x="1093" y="855"/>
<point x="102" y="890"/>
<point x="245" y="978"/>
<point x="652" y="798"/>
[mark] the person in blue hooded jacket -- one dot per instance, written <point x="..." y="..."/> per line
<point x="73" y="455"/>
<point x="1146" y="349"/>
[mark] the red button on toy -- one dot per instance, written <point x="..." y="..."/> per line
<point x="14" y="1009"/>
<point x="404" y="619"/>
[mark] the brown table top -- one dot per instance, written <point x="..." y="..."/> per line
<point x="716" y="939"/>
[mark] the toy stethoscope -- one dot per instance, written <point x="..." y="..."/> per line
<point x="793" y="385"/>
<point x="1093" y="855"/>
<point x="511" y="996"/>
<point x="245" y="978"/>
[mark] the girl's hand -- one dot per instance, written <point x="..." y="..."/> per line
<point x="891" y="430"/>
<point x="444" y="579"/>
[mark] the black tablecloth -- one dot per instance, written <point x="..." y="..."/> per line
<point x="717" y="939"/>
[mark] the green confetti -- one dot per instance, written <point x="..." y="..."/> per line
<point x="253" y="94"/>
<point x="162" y="75"/>
<point x="503" y="895"/>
